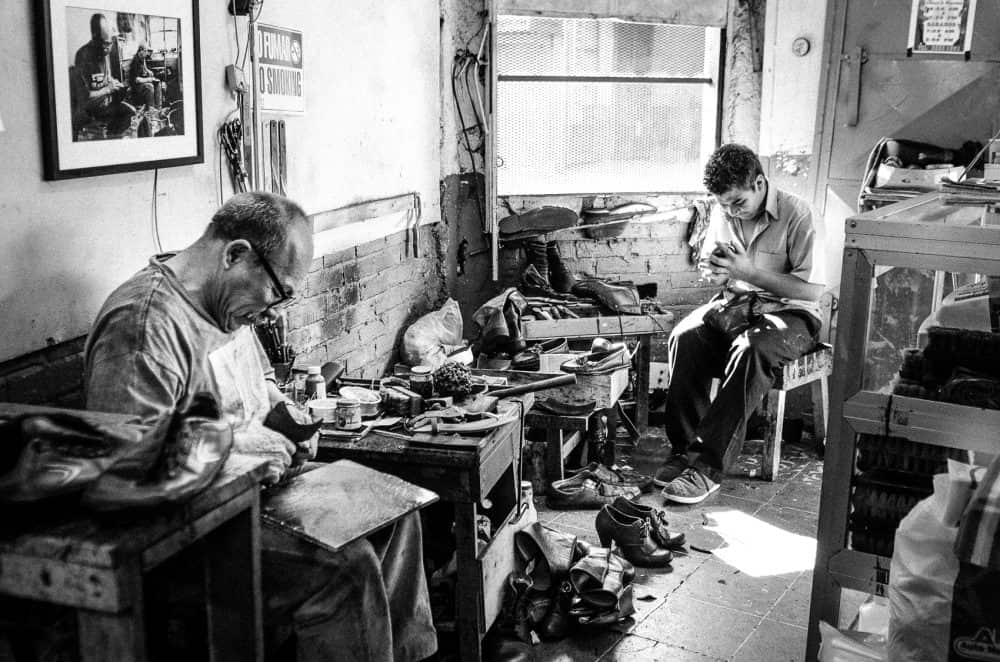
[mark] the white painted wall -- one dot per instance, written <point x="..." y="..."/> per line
<point x="371" y="130"/>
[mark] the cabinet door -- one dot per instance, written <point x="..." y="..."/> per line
<point x="873" y="90"/>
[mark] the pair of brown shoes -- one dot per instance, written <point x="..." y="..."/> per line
<point x="639" y="531"/>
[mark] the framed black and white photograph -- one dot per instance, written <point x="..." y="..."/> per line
<point x="121" y="85"/>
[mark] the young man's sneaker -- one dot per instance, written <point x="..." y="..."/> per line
<point x="671" y="469"/>
<point x="692" y="486"/>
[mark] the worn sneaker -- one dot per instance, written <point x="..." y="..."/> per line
<point x="692" y="486"/>
<point x="671" y="469"/>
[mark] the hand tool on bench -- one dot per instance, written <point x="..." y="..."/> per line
<point x="488" y="401"/>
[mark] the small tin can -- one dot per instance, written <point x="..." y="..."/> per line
<point x="348" y="414"/>
<point x="422" y="381"/>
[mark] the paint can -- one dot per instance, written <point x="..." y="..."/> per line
<point x="348" y="414"/>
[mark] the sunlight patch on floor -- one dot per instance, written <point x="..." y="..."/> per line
<point x="757" y="548"/>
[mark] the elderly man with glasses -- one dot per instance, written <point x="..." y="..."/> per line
<point x="182" y="325"/>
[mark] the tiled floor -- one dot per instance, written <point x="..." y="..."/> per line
<point x="705" y="608"/>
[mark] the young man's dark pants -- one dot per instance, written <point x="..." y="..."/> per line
<point x="746" y="366"/>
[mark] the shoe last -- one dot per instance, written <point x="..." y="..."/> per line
<point x="656" y="520"/>
<point x="632" y="535"/>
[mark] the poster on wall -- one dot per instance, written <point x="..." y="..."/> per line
<point x="941" y="26"/>
<point x="120" y="85"/>
<point x="279" y="69"/>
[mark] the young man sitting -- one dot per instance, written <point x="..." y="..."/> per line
<point x="759" y="244"/>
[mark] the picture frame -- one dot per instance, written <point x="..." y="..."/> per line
<point x="120" y="85"/>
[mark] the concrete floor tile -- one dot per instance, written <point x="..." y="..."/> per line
<point x="793" y="607"/>
<point x="752" y="489"/>
<point x="698" y="626"/>
<point x="720" y="584"/>
<point x="640" y="649"/>
<point x="800" y="495"/>
<point x="792" y="520"/>
<point x="582" y="644"/>
<point x="773" y="642"/>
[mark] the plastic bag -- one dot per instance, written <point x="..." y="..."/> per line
<point x="431" y="338"/>
<point x="929" y="591"/>
<point x="846" y="646"/>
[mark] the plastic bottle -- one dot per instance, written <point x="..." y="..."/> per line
<point x="315" y="384"/>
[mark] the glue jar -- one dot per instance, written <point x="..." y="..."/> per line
<point x="315" y="384"/>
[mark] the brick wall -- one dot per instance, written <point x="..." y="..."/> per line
<point x="358" y="302"/>
<point x="356" y="305"/>
<point x="647" y="252"/>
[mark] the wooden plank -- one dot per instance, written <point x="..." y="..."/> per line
<point x="590" y="327"/>
<point x="363" y="211"/>
<point x="775" y="418"/>
<point x="469" y="616"/>
<point x="497" y="562"/>
<point x="929" y="250"/>
<point x="709" y="13"/>
<point x="806" y="369"/>
<point x="642" y="358"/>
<point x="952" y="263"/>
<point x="64" y="583"/>
<point x="926" y="234"/>
<point x="926" y="421"/>
<point x="848" y="362"/>
<point x="119" y="636"/>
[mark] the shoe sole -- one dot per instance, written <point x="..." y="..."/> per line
<point x="691" y="500"/>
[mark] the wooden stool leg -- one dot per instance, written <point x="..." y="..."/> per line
<point x="821" y="409"/>
<point x="774" y="414"/>
<point x="554" y="454"/>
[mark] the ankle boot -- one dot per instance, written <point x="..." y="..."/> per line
<point x="560" y="277"/>
<point x="656" y="519"/>
<point x="556" y="625"/>
<point x="534" y="250"/>
<point x="632" y="536"/>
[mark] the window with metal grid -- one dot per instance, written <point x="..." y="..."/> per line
<point x="604" y="106"/>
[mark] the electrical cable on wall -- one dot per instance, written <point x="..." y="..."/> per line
<point x="155" y="217"/>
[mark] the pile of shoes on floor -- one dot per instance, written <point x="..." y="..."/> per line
<point x="567" y="584"/>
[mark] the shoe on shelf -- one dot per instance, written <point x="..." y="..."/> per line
<point x="692" y="486"/>
<point x="671" y="469"/>
<point x="598" y="363"/>
<point x="655" y="518"/>
<point x="633" y="537"/>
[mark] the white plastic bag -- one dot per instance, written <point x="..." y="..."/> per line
<point x="845" y="646"/>
<point x="924" y="570"/>
<point x="431" y="338"/>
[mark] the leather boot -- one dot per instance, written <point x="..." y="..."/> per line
<point x="534" y="251"/>
<point x="655" y="518"/>
<point x="561" y="278"/>
<point x="550" y="554"/>
<point x="558" y="622"/>
<point x="57" y="454"/>
<point x="600" y="577"/>
<point x="632" y="535"/>
<point x="512" y="622"/>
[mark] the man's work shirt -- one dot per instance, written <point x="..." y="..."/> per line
<point x="92" y="69"/>
<point x="781" y="240"/>
<point x="152" y="347"/>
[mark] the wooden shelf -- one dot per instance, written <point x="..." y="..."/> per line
<point x="590" y="327"/>
<point x="925" y="421"/>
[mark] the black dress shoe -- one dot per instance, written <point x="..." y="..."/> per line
<point x="632" y="535"/>
<point x="619" y="298"/>
<point x="656" y="519"/>
<point x="558" y="622"/>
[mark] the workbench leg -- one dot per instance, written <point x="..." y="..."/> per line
<point x="232" y="588"/>
<point x="553" y="455"/>
<point x="468" y="590"/>
<point x="120" y="636"/>
<point x="642" y="385"/>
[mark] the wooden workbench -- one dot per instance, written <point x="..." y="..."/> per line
<point x="96" y="565"/>
<point x="477" y="475"/>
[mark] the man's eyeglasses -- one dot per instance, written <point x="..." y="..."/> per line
<point x="284" y="298"/>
